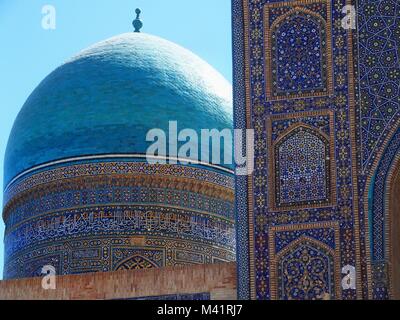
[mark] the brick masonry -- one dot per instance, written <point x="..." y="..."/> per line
<point x="218" y="279"/>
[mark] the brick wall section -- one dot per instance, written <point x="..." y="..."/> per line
<point x="217" y="279"/>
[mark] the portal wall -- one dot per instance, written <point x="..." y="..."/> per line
<point x="323" y="101"/>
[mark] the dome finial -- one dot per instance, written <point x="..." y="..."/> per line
<point x="137" y="23"/>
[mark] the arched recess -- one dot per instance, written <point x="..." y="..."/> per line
<point x="306" y="270"/>
<point x="302" y="169"/>
<point x="383" y="222"/>
<point x="136" y="262"/>
<point x="298" y="55"/>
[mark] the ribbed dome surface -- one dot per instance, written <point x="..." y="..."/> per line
<point x="106" y="99"/>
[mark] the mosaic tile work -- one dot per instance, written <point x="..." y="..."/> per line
<point x="379" y="74"/>
<point x="127" y="220"/>
<point x="378" y="121"/>
<point x="301" y="150"/>
<point x="307" y="272"/>
<point x="302" y="164"/>
<point x="379" y="218"/>
<point x="293" y="35"/>
<point x="304" y="262"/>
<point x="82" y="218"/>
<point x="356" y="116"/>
<point x="333" y="142"/>
<point x="79" y="192"/>
<point x="298" y="48"/>
<point x="132" y="259"/>
<point x="111" y="168"/>
<point x="380" y="185"/>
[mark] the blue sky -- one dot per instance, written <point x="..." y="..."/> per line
<point x="28" y="52"/>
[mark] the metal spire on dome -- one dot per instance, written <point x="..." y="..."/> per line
<point x="137" y="23"/>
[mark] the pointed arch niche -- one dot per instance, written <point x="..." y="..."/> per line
<point x="298" y="51"/>
<point x="302" y="171"/>
<point x="303" y="267"/>
<point x="382" y="205"/>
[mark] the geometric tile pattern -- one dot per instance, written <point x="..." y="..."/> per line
<point x="331" y="194"/>
<point x="302" y="167"/>
<point x="298" y="50"/>
<point x="379" y="70"/>
<point x="306" y="272"/>
<point x="378" y="120"/>
<point x="115" y="216"/>
<point x="379" y="219"/>
<point x="298" y="36"/>
<point x="304" y="261"/>
<point x="360" y="71"/>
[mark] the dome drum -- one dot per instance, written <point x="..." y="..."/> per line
<point x="79" y="195"/>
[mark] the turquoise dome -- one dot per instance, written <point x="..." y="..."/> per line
<point x="105" y="100"/>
